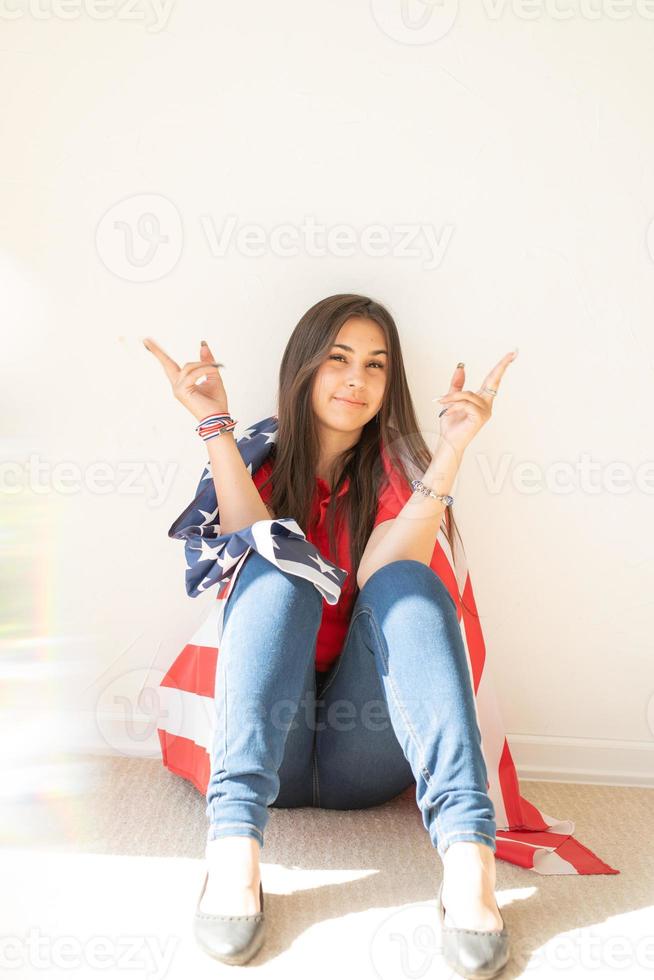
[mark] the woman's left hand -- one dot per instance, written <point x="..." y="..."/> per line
<point x="467" y="411"/>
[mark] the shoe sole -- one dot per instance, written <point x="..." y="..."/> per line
<point x="238" y="959"/>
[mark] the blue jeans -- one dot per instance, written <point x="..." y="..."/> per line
<point x="397" y="707"/>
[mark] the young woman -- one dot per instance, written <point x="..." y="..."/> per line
<point x="348" y="447"/>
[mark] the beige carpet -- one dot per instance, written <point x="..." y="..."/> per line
<point x="107" y="878"/>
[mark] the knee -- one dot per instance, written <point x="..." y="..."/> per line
<point x="279" y="586"/>
<point x="408" y="575"/>
<point x="403" y="571"/>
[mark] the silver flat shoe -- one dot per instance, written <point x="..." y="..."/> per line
<point x="475" y="955"/>
<point x="233" y="939"/>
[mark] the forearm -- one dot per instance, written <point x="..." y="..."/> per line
<point x="413" y="533"/>
<point x="239" y="502"/>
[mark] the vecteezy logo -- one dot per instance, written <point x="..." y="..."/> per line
<point x="132" y="706"/>
<point x="140" y="238"/>
<point x="407" y="943"/>
<point x="415" y="21"/>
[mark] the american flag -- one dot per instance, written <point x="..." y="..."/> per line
<point x="525" y="835"/>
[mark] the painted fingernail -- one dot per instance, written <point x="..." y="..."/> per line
<point x="461" y="364"/>
<point x="203" y="343"/>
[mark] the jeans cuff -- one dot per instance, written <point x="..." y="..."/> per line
<point x="470" y="835"/>
<point x="234" y="830"/>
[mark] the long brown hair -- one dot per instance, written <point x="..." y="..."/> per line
<point x="297" y="451"/>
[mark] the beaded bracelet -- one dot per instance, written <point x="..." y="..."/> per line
<point x="213" y="425"/>
<point x="421" y="488"/>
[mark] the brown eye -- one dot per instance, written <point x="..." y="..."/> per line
<point x="335" y="357"/>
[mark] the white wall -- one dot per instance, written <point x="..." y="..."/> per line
<point x="515" y="138"/>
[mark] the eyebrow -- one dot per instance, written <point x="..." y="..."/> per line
<point x="351" y="349"/>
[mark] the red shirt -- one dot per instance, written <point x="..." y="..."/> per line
<point x="336" y="618"/>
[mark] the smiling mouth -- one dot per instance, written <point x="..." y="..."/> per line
<point x="346" y="401"/>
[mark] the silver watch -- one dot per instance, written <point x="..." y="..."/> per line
<point x="421" y="488"/>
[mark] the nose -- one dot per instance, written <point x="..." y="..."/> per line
<point x="355" y="384"/>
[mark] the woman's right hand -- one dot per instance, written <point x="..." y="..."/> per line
<point x="207" y="398"/>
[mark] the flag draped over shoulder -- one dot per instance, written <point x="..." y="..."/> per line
<point x="525" y="835"/>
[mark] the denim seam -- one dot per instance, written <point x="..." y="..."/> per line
<point x="224" y="678"/>
<point x="314" y="770"/>
<point x="381" y="643"/>
<point x="218" y="681"/>
<point x="424" y="770"/>
<point x="337" y="665"/>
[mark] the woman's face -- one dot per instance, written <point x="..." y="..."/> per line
<point x="358" y="374"/>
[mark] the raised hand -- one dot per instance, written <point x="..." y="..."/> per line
<point x="207" y="398"/>
<point x="465" y="412"/>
